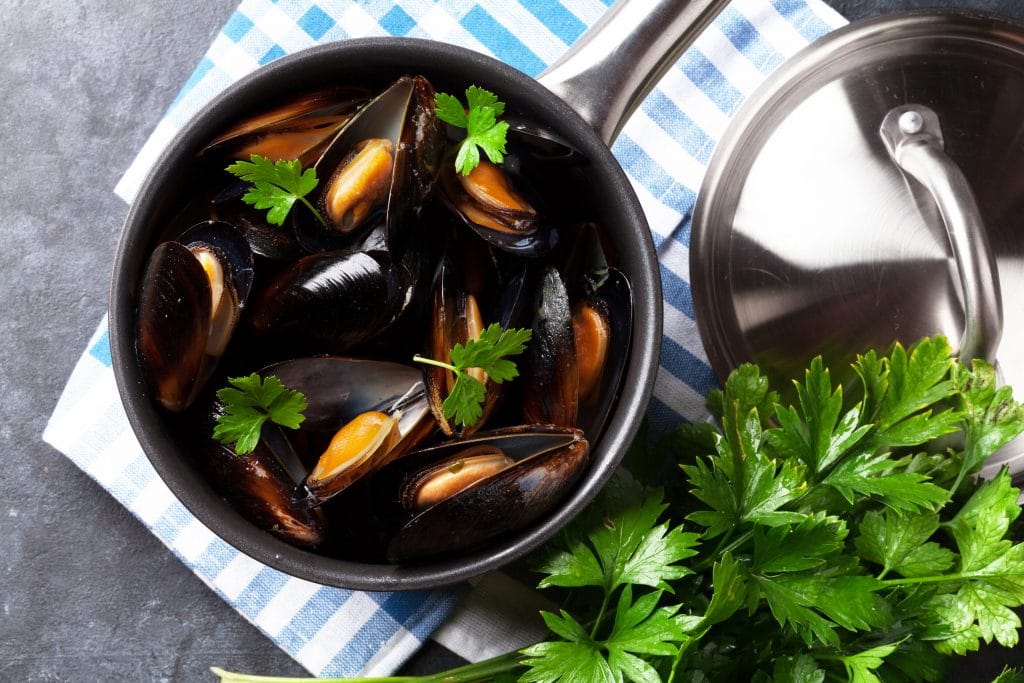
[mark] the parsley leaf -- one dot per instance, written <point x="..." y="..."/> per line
<point x="276" y="186"/>
<point x="902" y="390"/>
<point x="629" y="548"/>
<point x="900" y="543"/>
<point x="868" y="474"/>
<point x="483" y="130"/>
<point x="814" y="604"/>
<point x="249" y="404"/>
<point x="487" y="352"/>
<point x="991" y="416"/>
<point x="860" y="667"/>
<point x="819" y="433"/>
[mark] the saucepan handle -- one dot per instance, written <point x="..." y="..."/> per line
<point x="610" y="69"/>
<point x="913" y="137"/>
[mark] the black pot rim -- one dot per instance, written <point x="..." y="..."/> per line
<point x="397" y="55"/>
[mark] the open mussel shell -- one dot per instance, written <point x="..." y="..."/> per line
<point x="383" y="163"/>
<point x="547" y="461"/>
<point x="299" y="129"/>
<point x="190" y="300"/>
<point x="605" y="317"/>
<point x="455" y="319"/>
<point x="332" y="302"/>
<point x="602" y="311"/>
<point x="340" y="391"/>
<point x="261" y="490"/>
<point x="490" y="201"/>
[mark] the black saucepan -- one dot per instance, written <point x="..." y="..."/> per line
<point x="375" y="63"/>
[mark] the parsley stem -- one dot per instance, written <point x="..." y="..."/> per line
<point x="430" y="361"/>
<point x="312" y="208"/>
<point x="940" y="578"/>
<point x="470" y="673"/>
<point x="600" y="613"/>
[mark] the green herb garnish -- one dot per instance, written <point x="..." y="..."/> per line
<point x="840" y="536"/>
<point x="480" y="119"/>
<point x="488" y="352"/>
<point x="252" y="402"/>
<point x="276" y="186"/>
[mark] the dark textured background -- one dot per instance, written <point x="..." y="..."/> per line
<point x="88" y="594"/>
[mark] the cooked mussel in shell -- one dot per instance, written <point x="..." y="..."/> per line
<point x="364" y="412"/>
<point x="487" y="201"/>
<point x="298" y="129"/>
<point x="191" y="297"/>
<point x="380" y="167"/>
<point x="461" y="493"/>
<point x="260" y="489"/>
<point x="467" y="296"/>
<point x="332" y="302"/>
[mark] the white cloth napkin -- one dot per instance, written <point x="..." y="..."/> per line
<point x="664" y="150"/>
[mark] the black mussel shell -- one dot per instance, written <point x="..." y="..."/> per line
<point x="550" y="383"/>
<point x="299" y="129"/>
<point x="614" y="299"/>
<point x="173" y="324"/>
<point x="339" y="388"/>
<point x="332" y="302"/>
<point x="269" y="241"/>
<point x="404" y="116"/>
<point x="548" y="462"/>
<point x="259" y="488"/>
<point x="179" y="339"/>
<point x="594" y="284"/>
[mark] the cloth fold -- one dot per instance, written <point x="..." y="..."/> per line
<point x="664" y="149"/>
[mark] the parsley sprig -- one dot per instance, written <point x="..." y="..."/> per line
<point x="248" y="403"/>
<point x="841" y="535"/>
<point x="489" y="352"/>
<point x="276" y="186"/>
<point x="480" y="119"/>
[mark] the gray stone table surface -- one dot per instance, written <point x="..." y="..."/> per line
<point x="88" y="594"/>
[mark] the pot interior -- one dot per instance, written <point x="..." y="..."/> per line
<point x="375" y="63"/>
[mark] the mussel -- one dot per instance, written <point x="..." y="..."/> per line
<point x="261" y="490"/>
<point x="551" y="374"/>
<point x="580" y="342"/>
<point x="332" y="302"/>
<point x="602" y="314"/>
<point x="487" y="201"/>
<point x="299" y="129"/>
<point x="190" y="300"/>
<point x="471" y="290"/>
<point x="361" y="414"/>
<point x="383" y="163"/>
<point x="462" y="493"/>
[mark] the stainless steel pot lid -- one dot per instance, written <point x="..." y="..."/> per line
<point x="809" y="237"/>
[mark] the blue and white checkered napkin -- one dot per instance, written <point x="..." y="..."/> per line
<point x="664" y="149"/>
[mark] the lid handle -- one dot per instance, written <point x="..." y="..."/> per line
<point x="610" y="69"/>
<point x="913" y="138"/>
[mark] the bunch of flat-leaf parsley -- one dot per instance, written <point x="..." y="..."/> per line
<point x="839" y="535"/>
